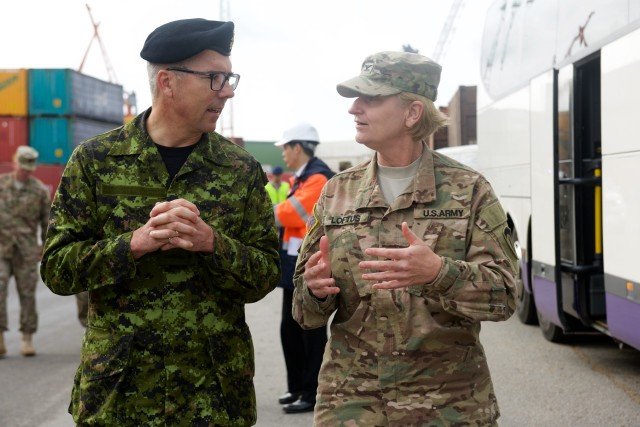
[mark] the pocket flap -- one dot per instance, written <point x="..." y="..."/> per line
<point x="104" y="353"/>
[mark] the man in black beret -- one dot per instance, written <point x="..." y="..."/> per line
<point x="169" y="228"/>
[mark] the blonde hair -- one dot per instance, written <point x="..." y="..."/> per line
<point x="432" y="119"/>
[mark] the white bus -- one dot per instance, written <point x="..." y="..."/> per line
<point x="559" y="139"/>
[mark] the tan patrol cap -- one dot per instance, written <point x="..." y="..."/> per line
<point x="26" y="157"/>
<point x="390" y="73"/>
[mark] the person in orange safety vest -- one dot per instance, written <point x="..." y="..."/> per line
<point x="303" y="349"/>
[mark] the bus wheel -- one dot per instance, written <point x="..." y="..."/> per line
<point x="526" y="307"/>
<point x="550" y="331"/>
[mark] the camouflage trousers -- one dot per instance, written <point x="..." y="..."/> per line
<point x="26" y="275"/>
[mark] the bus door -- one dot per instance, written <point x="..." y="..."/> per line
<point x="579" y="206"/>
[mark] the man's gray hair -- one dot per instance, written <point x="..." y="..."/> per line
<point x="152" y="72"/>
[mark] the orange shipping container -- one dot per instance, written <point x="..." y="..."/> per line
<point x="13" y="93"/>
<point x="13" y="133"/>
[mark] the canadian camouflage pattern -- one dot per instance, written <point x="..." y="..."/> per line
<point x="389" y="73"/>
<point x="22" y="211"/>
<point x="167" y="342"/>
<point x="411" y="356"/>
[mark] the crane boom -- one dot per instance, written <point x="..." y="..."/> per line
<point x="96" y="36"/>
<point x="447" y="31"/>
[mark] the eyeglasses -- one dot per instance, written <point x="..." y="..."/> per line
<point x="218" y="78"/>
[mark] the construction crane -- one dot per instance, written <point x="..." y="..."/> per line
<point x="226" y="120"/>
<point x="96" y="36"/>
<point x="129" y="98"/>
<point x="447" y="31"/>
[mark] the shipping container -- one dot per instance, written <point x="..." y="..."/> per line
<point x="13" y="93"/>
<point x="56" y="137"/>
<point x="65" y="92"/>
<point x="50" y="175"/>
<point x="13" y="133"/>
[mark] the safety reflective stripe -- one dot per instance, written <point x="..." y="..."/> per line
<point x="299" y="208"/>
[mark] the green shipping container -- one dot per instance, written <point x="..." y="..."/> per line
<point x="56" y="137"/>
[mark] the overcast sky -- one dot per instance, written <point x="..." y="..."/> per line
<point x="290" y="53"/>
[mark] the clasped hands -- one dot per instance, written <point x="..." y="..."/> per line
<point x="173" y="224"/>
<point x="416" y="264"/>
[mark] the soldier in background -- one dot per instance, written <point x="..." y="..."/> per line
<point x="411" y="251"/>
<point x="168" y="226"/>
<point x="24" y="205"/>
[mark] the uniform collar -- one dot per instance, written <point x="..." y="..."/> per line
<point x="134" y="139"/>
<point x="424" y="185"/>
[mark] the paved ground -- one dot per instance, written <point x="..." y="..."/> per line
<point x="589" y="382"/>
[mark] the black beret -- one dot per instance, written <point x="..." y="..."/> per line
<point x="178" y="40"/>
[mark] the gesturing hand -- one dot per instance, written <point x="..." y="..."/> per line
<point x="416" y="264"/>
<point x="317" y="272"/>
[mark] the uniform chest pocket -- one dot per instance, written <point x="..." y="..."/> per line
<point x="445" y="230"/>
<point x="452" y="238"/>
<point x="346" y="253"/>
<point x="124" y="208"/>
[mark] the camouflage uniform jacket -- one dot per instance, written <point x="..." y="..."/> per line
<point x="21" y="211"/>
<point x="412" y="354"/>
<point x="167" y="342"/>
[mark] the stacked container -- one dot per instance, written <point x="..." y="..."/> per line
<point x="13" y="112"/>
<point x="53" y="110"/>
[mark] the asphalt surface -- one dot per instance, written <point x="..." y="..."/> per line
<point x="588" y="382"/>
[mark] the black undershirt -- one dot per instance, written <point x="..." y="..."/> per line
<point x="174" y="157"/>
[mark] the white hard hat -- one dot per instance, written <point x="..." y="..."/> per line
<point x="299" y="132"/>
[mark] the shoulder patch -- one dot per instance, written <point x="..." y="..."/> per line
<point x="491" y="217"/>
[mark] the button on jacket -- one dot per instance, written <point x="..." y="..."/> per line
<point x="167" y="342"/>
<point x="409" y="356"/>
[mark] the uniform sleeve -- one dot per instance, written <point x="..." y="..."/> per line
<point x="296" y="210"/>
<point x="483" y="286"/>
<point x="309" y="311"/>
<point x="252" y="259"/>
<point x="75" y="258"/>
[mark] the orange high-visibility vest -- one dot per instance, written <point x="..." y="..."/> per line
<point x="293" y="213"/>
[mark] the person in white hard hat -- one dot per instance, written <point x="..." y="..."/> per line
<point x="24" y="205"/>
<point x="302" y="349"/>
